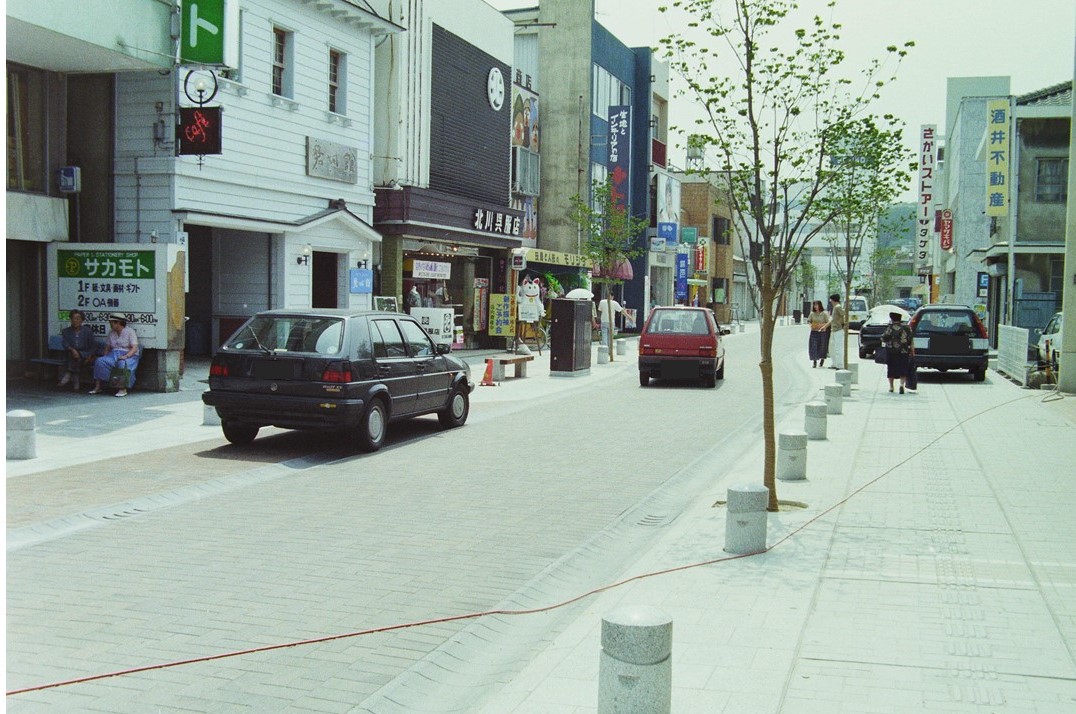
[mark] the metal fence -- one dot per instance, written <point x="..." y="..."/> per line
<point x="1012" y="353"/>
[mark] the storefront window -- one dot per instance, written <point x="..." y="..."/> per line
<point x="25" y="129"/>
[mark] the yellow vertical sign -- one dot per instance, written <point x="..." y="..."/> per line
<point x="997" y="157"/>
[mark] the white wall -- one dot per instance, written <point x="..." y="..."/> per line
<point x="262" y="170"/>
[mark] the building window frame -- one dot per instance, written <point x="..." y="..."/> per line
<point x="27" y="127"/>
<point x="1051" y="179"/>
<point x="337" y="82"/>
<point x="283" y="62"/>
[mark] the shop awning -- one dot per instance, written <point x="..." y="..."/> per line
<point x="622" y="271"/>
<point x="243" y="223"/>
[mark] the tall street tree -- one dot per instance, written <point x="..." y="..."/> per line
<point x="870" y="168"/>
<point x="609" y="238"/>
<point x="772" y="100"/>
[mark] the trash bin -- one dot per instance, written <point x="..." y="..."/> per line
<point x="797" y="315"/>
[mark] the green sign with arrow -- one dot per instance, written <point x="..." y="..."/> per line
<point x="202" y="33"/>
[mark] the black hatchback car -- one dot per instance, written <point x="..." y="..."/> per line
<point x="950" y="337"/>
<point x="347" y="370"/>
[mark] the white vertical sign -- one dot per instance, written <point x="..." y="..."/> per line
<point x="928" y="152"/>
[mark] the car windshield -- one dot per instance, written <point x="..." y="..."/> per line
<point x="684" y="322"/>
<point x="290" y="333"/>
<point x="952" y="322"/>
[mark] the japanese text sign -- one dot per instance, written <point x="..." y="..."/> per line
<point x="997" y="157"/>
<point x="947" y="230"/>
<point x="202" y="32"/>
<point x="502" y="315"/>
<point x="928" y="152"/>
<point x="619" y="162"/>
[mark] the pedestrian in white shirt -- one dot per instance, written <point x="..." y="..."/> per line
<point x="606" y="314"/>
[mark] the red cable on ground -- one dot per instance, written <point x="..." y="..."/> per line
<point x="487" y="613"/>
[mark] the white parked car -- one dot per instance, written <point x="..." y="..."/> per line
<point x="858" y="311"/>
<point x="1049" y="344"/>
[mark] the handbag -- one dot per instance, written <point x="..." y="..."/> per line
<point x="120" y="376"/>
<point x="881" y="355"/>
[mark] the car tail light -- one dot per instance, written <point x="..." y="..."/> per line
<point x="645" y="349"/>
<point x="913" y="323"/>
<point x="336" y="373"/>
<point x="218" y="369"/>
<point x="708" y="351"/>
<point x="982" y="328"/>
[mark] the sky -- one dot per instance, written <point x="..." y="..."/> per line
<point x="953" y="38"/>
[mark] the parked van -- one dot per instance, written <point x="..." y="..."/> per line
<point x="859" y="309"/>
<point x="1049" y="344"/>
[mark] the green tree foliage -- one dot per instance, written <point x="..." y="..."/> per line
<point x="773" y="103"/>
<point x="870" y="168"/>
<point x="609" y="236"/>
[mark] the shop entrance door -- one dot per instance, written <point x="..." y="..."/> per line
<point x="325" y="277"/>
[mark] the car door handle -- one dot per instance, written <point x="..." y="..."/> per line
<point x="421" y="366"/>
<point x="384" y="368"/>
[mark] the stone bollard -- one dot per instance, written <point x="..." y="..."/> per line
<point x="621" y="348"/>
<point x="854" y="369"/>
<point x="603" y="353"/>
<point x="21" y="438"/>
<point x="814" y="420"/>
<point x="834" y="398"/>
<point x="792" y="456"/>
<point x="741" y="327"/>
<point x="844" y="378"/>
<point x="745" y="522"/>
<point x="635" y="670"/>
<point x="210" y="416"/>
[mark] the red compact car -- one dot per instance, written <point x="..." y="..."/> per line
<point x="681" y="343"/>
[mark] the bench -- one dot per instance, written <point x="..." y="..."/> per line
<point x="57" y="357"/>
<point x="520" y="362"/>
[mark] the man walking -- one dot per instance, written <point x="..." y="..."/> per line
<point x="838" y="323"/>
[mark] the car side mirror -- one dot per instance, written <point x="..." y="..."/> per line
<point x="443" y="349"/>
<point x="1037" y="332"/>
<point x="726" y="331"/>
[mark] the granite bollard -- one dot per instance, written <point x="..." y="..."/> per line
<point x="745" y="522"/>
<point x="792" y="456"/>
<point x="854" y="369"/>
<point x="844" y="378"/>
<point x="21" y="437"/>
<point x="635" y="670"/>
<point x="814" y="420"/>
<point x="834" y="398"/>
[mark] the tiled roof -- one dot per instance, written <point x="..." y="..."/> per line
<point x="1057" y="95"/>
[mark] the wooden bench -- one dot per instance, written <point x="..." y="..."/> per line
<point x="57" y="357"/>
<point x="520" y="362"/>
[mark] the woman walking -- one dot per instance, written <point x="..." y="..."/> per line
<point x="819" y="339"/>
<point x="900" y="348"/>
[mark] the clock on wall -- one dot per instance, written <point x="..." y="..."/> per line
<point x="495" y="89"/>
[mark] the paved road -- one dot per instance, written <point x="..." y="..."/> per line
<point x="522" y="502"/>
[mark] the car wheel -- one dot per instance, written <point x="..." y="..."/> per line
<point x="373" y="427"/>
<point x="721" y="372"/>
<point x="238" y="433"/>
<point x="979" y="375"/>
<point x="644" y="378"/>
<point x="455" y="414"/>
<point x="862" y="353"/>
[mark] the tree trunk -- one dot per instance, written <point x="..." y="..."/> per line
<point x="768" y="296"/>
<point x="612" y="320"/>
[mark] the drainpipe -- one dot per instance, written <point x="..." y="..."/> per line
<point x="1014" y="196"/>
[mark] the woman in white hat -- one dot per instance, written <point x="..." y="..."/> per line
<point x="120" y="345"/>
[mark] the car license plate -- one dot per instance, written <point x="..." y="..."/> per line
<point x="275" y="369"/>
<point x="679" y="370"/>
<point x="980" y="343"/>
<point x="921" y="343"/>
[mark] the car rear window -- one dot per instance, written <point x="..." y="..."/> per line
<point x="683" y="322"/>
<point x="283" y="333"/>
<point x="946" y="321"/>
<point x="858" y="305"/>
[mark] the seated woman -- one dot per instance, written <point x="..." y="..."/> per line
<point x="120" y="345"/>
<point x="79" y="348"/>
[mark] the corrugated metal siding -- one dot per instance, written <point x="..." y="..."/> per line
<point x="469" y="141"/>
